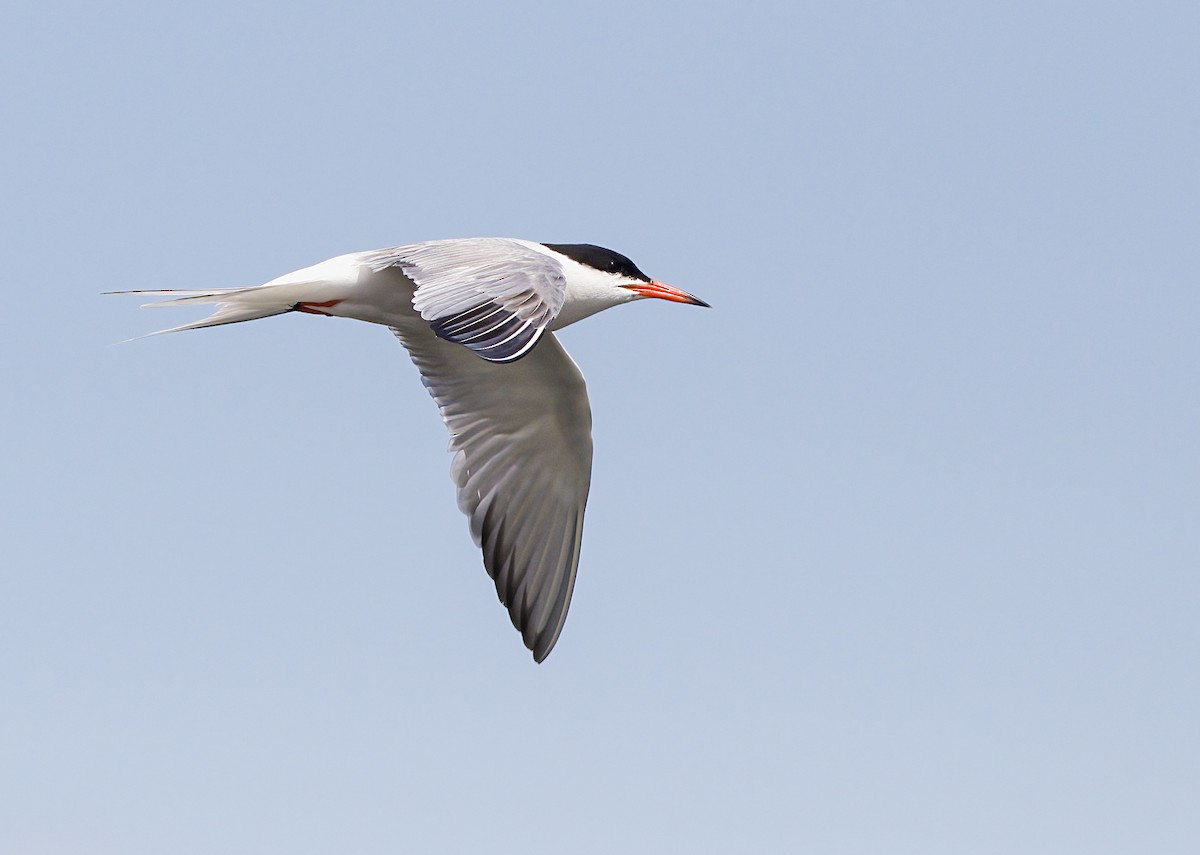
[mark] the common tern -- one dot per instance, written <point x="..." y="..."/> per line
<point x="477" y="316"/>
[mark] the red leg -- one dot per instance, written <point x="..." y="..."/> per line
<point x="315" y="308"/>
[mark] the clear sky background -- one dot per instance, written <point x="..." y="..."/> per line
<point x="893" y="550"/>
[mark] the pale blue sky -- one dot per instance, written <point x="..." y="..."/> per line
<point x="894" y="550"/>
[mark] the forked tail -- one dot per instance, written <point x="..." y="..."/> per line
<point x="234" y="305"/>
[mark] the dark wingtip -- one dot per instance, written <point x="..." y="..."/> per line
<point x="543" y="645"/>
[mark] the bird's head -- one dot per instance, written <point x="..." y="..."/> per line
<point x="604" y="278"/>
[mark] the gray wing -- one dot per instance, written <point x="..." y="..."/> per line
<point x="522" y="439"/>
<point x="494" y="296"/>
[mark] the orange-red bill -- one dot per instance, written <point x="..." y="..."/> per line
<point x="663" y="291"/>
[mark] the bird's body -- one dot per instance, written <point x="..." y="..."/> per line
<point x="475" y="315"/>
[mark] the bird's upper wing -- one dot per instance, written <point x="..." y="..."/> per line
<point x="523" y="462"/>
<point x="494" y="296"/>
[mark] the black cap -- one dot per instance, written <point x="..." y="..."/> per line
<point x="599" y="258"/>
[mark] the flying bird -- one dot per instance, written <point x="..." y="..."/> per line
<point x="477" y="316"/>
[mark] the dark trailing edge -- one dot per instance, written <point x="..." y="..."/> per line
<point x="490" y="331"/>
